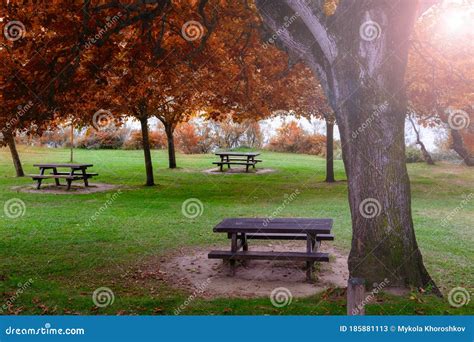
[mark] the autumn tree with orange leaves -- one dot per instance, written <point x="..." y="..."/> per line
<point x="441" y="74"/>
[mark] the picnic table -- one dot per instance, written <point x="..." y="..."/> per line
<point x="75" y="172"/>
<point x="240" y="230"/>
<point x="237" y="158"/>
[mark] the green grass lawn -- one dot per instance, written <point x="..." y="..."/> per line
<point x="67" y="258"/>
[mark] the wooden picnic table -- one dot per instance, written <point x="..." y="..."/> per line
<point x="240" y="230"/>
<point x="237" y="158"/>
<point x="76" y="172"/>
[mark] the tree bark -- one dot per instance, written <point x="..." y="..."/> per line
<point x="147" y="151"/>
<point x="426" y="155"/>
<point x="362" y="73"/>
<point x="330" y="152"/>
<point x="10" y="140"/>
<point x="171" y="148"/>
<point x="459" y="148"/>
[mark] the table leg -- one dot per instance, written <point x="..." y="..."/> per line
<point x="253" y="161"/>
<point x="222" y="163"/>
<point x="39" y="180"/>
<point x="309" y="264"/>
<point x="84" y="174"/>
<point x="245" y="246"/>
<point x="69" y="181"/>
<point x="233" y="249"/>
<point x="228" y="162"/>
<point x="56" y="180"/>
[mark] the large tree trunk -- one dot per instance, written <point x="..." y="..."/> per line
<point x="10" y="140"/>
<point x="362" y="73"/>
<point x="171" y="148"/>
<point x="459" y="148"/>
<point x="147" y="151"/>
<point x="330" y="151"/>
<point x="426" y="155"/>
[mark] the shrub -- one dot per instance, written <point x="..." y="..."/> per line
<point x="187" y="140"/>
<point x="56" y="138"/>
<point x="292" y="138"/>
<point x="413" y="155"/>
<point x="135" y="142"/>
<point x="106" y="139"/>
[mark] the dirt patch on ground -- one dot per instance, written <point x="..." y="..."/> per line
<point x="238" y="170"/>
<point x="62" y="190"/>
<point x="191" y="269"/>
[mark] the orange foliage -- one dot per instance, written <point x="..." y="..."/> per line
<point x="135" y="140"/>
<point x="187" y="139"/>
<point x="292" y="138"/>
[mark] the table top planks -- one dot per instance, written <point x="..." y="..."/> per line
<point x="72" y="166"/>
<point x="238" y="154"/>
<point x="277" y="225"/>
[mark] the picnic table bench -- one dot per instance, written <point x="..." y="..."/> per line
<point x="240" y="230"/>
<point x="237" y="158"/>
<point x="76" y="172"/>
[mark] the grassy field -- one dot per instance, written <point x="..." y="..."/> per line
<point x="67" y="258"/>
